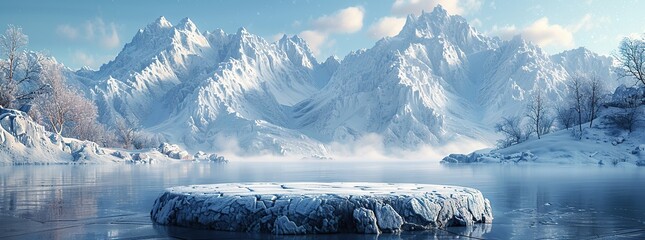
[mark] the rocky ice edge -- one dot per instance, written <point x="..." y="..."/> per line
<point x="305" y="208"/>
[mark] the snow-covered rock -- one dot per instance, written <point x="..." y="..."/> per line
<point x="23" y="141"/>
<point x="639" y="151"/>
<point x="491" y="157"/>
<point x="138" y="158"/>
<point x="211" y="157"/>
<point x="174" y="151"/>
<point x="365" y="221"/>
<point x="304" y="208"/>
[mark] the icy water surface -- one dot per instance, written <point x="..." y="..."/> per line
<point x="529" y="202"/>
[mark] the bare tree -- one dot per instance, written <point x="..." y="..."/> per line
<point x="577" y="96"/>
<point x="565" y="116"/>
<point x="126" y="133"/>
<point x="513" y="131"/>
<point x="64" y="110"/>
<point x="55" y="107"/>
<point x="537" y="113"/>
<point x="595" y="92"/>
<point x="631" y="56"/>
<point x="19" y="82"/>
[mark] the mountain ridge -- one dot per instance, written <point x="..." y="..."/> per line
<point x="436" y="82"/>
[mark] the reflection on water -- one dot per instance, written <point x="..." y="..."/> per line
<point x="113" y="201"/>
<point x="472" y="232"/>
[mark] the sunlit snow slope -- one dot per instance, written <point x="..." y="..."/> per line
<point x="439" y="81"/>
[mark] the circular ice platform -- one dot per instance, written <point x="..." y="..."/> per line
<point x="304" y="208"/>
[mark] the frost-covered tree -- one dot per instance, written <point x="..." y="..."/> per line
<point x="19" y="82"/>
<point x="126" y="133"/>
<point x="538" y="115"/>
<point x="64" y="110"/>
<point x="564" y="114"/>
<point x="631" y="56"/>
<point x="577" y="96"/>
<point x="513" y="131"/>
<point x="595" y="91"/>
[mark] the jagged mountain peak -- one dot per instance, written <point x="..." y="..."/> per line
<point x="519" y="45"/>
<point x="433" y="24"/>
<point x="297" y="50"/>
<point x="293" y="40"/>
<point x="437" y="13"/>
<point x="579" y="52"/>
<point x="186" y="24"/>
<point x="245" y="38"/>
<point x="431" y="84"/>
<point x="438" y="25"/>
<point x="242" y="31"/>
<point x="160" y="23"/>
<point x="332" y="59"/>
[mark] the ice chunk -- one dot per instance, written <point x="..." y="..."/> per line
<point x="306" y="208"/>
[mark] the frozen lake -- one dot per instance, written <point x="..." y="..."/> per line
<point x="113" y="201"/>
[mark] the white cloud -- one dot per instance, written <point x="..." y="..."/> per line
<point x="110" y="38"/>
<point x="67" y="31"/>
<point x="84" y="59"/>
<point x="348" y="20"/>
<point x="461" y="7"/>
<point x="314" y="39"/>
<point x="93" y="31"/>
<point x="544" y="34"/>
<point x="540" y="32"/>
<point x="386" y="27"/>
<point x="505" y="32"/>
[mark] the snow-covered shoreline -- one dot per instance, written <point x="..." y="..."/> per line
<point x="25" y="142"/>
<point x="306" y="208"/>
<point x="602" y="144"/>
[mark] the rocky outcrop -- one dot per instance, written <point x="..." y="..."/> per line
<point x="491" y="157"/>
<point x="24" y="141"/>
<point x="305" y="208"/>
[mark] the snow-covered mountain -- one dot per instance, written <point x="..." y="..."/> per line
<point x="438" y="81"/>
<point x="204" y="88"/>
<point x="582" y="61"/>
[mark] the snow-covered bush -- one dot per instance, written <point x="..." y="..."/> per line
<point x="146" y="140"/>
<point x="564" y="115"/>
<point x="64" y="110"/>
<point x="513" y="130"/>
<point x="629" y="100"/>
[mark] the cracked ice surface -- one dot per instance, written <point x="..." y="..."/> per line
<point x="304" y="208"/>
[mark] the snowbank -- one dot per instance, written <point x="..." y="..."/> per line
<point x="24" y="141"/>
<point x="602" y="144"/>
<point x="305" y="208"/>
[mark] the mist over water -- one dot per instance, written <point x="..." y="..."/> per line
<point x="528" y="201"/>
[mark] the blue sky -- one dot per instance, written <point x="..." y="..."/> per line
<point x="91" y="33"/>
